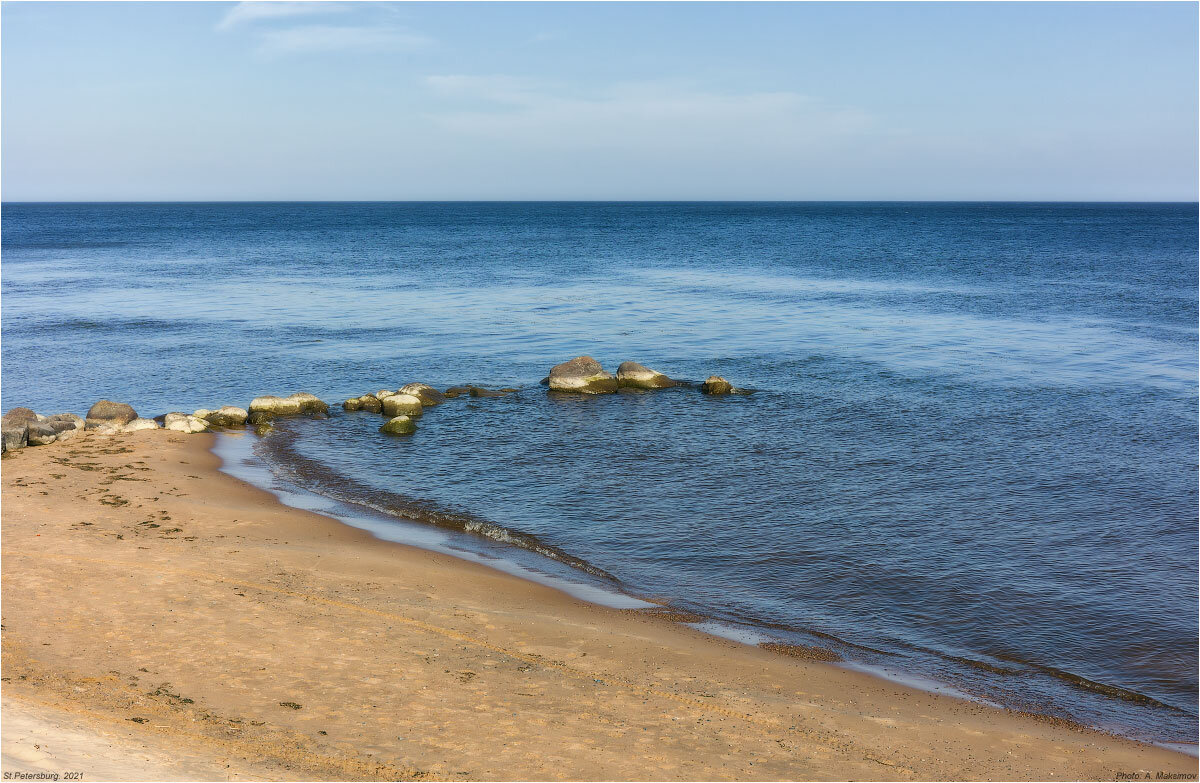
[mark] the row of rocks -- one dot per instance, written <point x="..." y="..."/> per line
<point x="373" y="402"/>
<point x="410" y="401"/>
<point x="400" y="406"/>
<point x="585" y="375"/>
<point x="23" y="427"/>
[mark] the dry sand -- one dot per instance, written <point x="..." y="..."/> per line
<point x="165" y="621"/>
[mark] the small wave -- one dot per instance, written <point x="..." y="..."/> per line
<point x="1112" y="691"/>
<point x="280" y="453"/>
<point x="114" y="325"/>
<point x="48" y="245"/>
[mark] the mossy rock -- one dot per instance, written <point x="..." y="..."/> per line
<point x="716" y="385"/>
<point x="631" y="375"/>
<point x="423" y="392"/>
<point x="399" y="425"/>
<point x="582" y="375"/>
<point x="402" y="405"/>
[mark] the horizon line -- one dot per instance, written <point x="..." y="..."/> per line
<point x="602" y="201"/>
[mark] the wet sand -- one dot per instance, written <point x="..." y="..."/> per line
<point x="162" y="615"/>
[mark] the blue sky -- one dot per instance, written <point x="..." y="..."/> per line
<point x="199" y="101"/>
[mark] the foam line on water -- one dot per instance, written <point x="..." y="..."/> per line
<point x="915" y="681"/>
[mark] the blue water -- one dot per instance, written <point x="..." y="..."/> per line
<point x="972" y="455"/>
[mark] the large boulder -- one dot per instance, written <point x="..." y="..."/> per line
<point x="369" y="403"/>
<point x="399" y="425"/>
<point x="107" y="412"/>
<point x="181" y="422"/>
<point x="65" y="421"/>
<point x="40" y="434"/>
<point x="310" y="403"/>
<point x="582" y="374"/>
<point x="296" y="404"/>
<point x="226" y="416"/>
<point x="423" y="392"/>
<point x="18" y="417"/>
<point x="271" y="405"/>
<point x="402" y="405"/>
<point x="140" y="424"/>
<point x="67" y="434"/>
<point x="631" y="375"/>
<point x="14" y="437"/>
<point x="715" y="384"/>
<point x="15" y="426"/>
<point x="352" y="404"/>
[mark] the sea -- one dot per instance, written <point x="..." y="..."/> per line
<point x="969" y="462"/>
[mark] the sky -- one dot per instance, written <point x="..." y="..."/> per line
<point x="184" y="101"/>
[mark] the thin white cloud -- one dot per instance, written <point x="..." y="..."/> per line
<point x="331" y="38"/>
<point x="672" y="118"/>
<point x="495" y="89"/>
<point x="248" y="13"/>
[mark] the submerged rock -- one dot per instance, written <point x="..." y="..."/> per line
<point x="399" y="425"/>
<point x="402" y="405"/>
<point x="423" y="392"/>
<point x="107" y="412"/>
<point x="715" y="384"/>
<point x="457" y="391"/>
<point x="226" y="416"/>
<point x="582" y="374"/>
<point x="631" y="375"/>
<point x="140" y="424"/>
<point x="477" y="391"/>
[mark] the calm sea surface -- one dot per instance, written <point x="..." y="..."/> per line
<point x="972" y="456"/>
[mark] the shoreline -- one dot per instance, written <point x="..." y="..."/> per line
<point x="585" y="581"/>
<point x="321" y="651"/>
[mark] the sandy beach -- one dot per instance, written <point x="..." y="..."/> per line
<point x="162" y="620"/>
